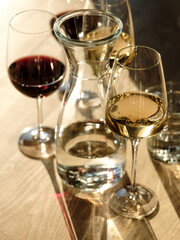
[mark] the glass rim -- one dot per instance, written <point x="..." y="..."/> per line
<point x="122" y="65"/>
<point x="83" y="42"/>
<point x="28" y="11"/>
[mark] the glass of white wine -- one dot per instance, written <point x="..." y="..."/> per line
<point x="136" y="108"/>
<point x="122" y="10"/>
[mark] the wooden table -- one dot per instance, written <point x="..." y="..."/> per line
<point x="35" y="205"/>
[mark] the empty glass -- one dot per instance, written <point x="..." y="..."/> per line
<point x="165" y="146"/>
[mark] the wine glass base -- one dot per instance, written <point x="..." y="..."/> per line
<point x="37" y="146"/>
<point x="143" y="202"/>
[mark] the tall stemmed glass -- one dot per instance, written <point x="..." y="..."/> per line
<point x="122" y="10"/>
<point x="35" y="65"/>
<point x="136" y="108"/>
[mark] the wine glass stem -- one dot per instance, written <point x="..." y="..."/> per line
<point x="39" y="114"/>
<point x="134" y="144"/>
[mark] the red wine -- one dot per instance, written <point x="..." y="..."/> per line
<point x="36" y="75"/>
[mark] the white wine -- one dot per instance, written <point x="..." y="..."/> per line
<point x="135" y="114"/>
<point x="124" y="56"/>
<point x="124" y="40"/>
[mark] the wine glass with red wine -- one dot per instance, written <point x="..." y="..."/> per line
<point x="36" y="67"/>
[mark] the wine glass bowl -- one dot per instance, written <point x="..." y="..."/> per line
<point x="135" y="111"/>
<point x="36" y="68"/>
<point x="122" y="10"/>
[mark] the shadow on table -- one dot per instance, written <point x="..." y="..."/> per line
<point x="170" y="177"/>
<point x="49" y="166"/>
<point x="89" y="217"/>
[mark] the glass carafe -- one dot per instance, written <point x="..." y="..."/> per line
<point x="89" y="156"/>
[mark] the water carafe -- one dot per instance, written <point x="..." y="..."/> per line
<point x="89" y="156"/>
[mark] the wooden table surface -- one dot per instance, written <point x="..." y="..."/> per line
<point x="35" y="205"/>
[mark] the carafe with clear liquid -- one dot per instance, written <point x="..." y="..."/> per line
<point x="89" y="155"/>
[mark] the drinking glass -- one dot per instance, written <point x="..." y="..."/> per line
<point x="36" y="66"/>
<point x="136" y="108"/>
<point x="165" y="146"/>
<point x="122" y="10"/>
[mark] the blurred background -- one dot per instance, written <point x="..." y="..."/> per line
<point x="157" y="25"/>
